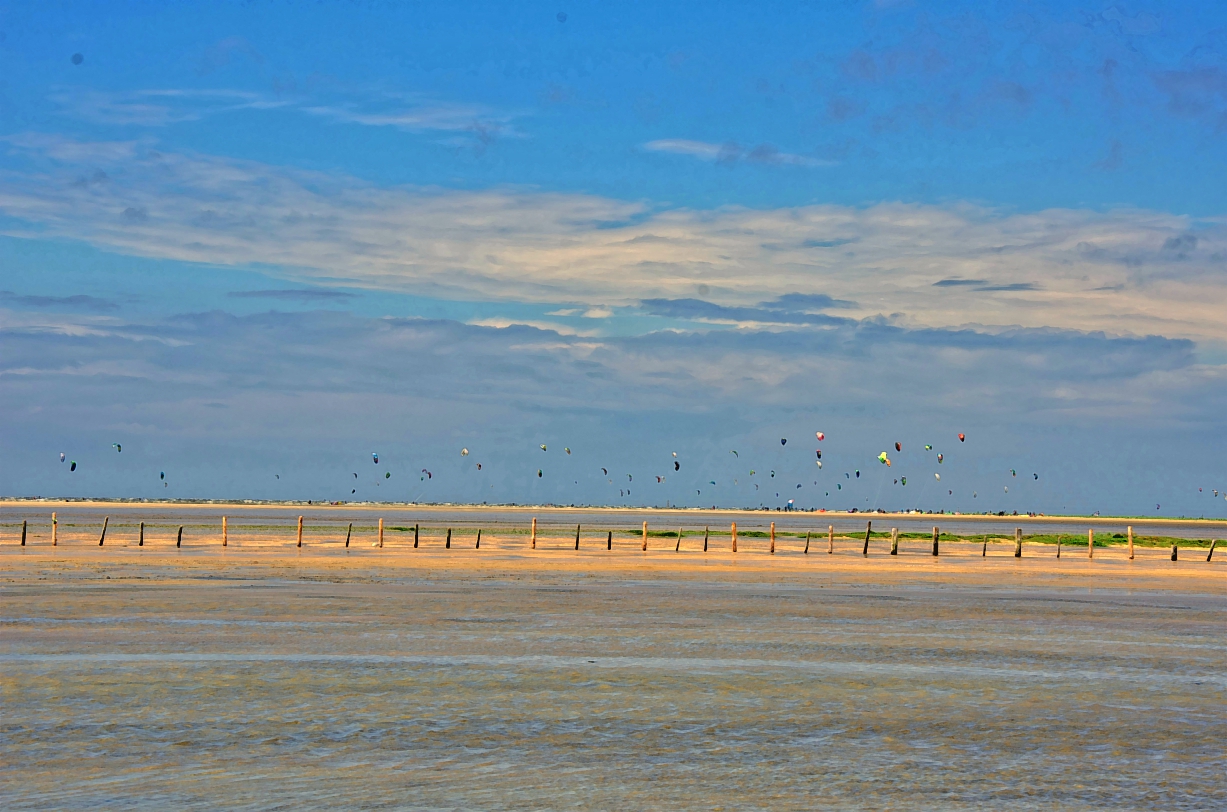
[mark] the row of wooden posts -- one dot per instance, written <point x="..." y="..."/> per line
<point x="894" y="538"/>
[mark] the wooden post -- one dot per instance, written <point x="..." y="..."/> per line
<point x="984" y="549"/>
<point x="141" y="543"/>
<point x="225" y="531"/>
<point x="179" y="540"/>
<point x="1058" y="545"/>
<point x="609" y="541"/>
<point x="381" y="534"/>
<point x="1090" y="542"/>
<point x="645" y="537"/>
<point x="23" y="532"/>
<point x="448" y="544"/>
<point x="1018" y="542"/>
<point x="349" y="532"/>
<point x="300" y="531"/>
<point x="478" y="545"/>
<point x="734" y="536"/>
<point x="1130" y="533"/>
<point x="807" y="542"/>
<point x="868" y="528"/>
<point x="1173" y="552"/>
<point x="830" y="539"/>
<point x="105" y="521"/>
<point x="936" y="533"/>
<point x="534" y="538"/>
<point x="1210" y="554"/>
<point x="706" y="529"/>
<point x="577" y="536"/>
<point x="415" y="535"/>
<point x="773" y="538"/>
<point x="55" y="530"/>
<point x="894" y="541"/>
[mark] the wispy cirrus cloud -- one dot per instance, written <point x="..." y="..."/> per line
<point x="730" y="152"/>
<point x="1126" y="271"/>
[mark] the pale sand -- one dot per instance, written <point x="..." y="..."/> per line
<point x="264" y="675"/>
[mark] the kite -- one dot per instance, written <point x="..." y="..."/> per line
<point x="543" y="446"/>
<point x="538" y="473"/>
<point x="677" y="466"/>
<point x="940" y="457"/>
<point x="882" y="457"/>
<point x="819" y="463"/>
<point x="375" y="457"/>
<point x="61" y="456"/>
<point x="783" y="441"/>
<point x="162" y="475"/>
<point x="73" y="466"/>
<point x="820" y="436"/>
<point x="117" y="446"/>
<point x="568" y="451"/>
<point x="464" y="452"/>
<point x="898" y="446"/>
<point x="387" y="475"/>
<point x="962" y="437"/>
<point x="734" y="453"/>
<point x="605" y="471"/>
<point x="939" y="477"/>
<point x="928" y="447"/>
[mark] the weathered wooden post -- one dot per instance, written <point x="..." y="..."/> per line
<point x="1210" y="554"/>
<point x="105" y="521"/>
<point x="830" y="539"/>
<point x="141" y="542"/>
<point x="1058" y="545"/>
<point x="415" y="535"/>
<point x="381" y="534"/>
<point x="645" y="537"/>
<point x="984" y="549"/>
<point x="226" y="532"/>
<point x="807" y="534"/>
<point x="1129" y="532"/>
<point x="448" y="544"/>
<point x="936" y="533"/>
<point x="894" y="541"/>
<point x="179" y="540"/>
<point x="55" y="530"/>
<point x="1090" y="542"/>
<point x="478" y="545"/>
<point x="868" y="529"/>
<point x="1173" y="552"/>
<point x="534" y="536"/>
<point x="609" y="541"/>
<point x="677" y="547"/>
<point x="577" y="536"/>
<point x="1018" y="542"/>
<point x="708" y="528"/>
<point x="349" y="532"/>
<point x="300" y="531"/>
<point x="23" y="532"/>
<point x="734" y="536"/>
<point x="773" y="538"/>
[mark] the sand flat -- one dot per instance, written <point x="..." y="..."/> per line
<point x="264" y="674"/>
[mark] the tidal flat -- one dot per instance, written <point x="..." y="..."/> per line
<point x="263" y="675"/>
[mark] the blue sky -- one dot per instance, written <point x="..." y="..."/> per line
<point x="255" y="242"/>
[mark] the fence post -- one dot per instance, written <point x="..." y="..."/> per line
<point x="1130" y="533"/>
<point x="534" y="538"/>
<point x="300" y="531"/>
<point x="448" y="544"/>
<point x="894" y="541"/>
<point x="1210" y="554"/>
<point x="1058" y="545"/>
<point x="55" y="530"/>
<point x="830" y="539"/>
<point x="349" y="532"/>
<point x="478" y="546"/>
<point x="773" y="538"/>
<point x="706" y="529"/>
<point x="936" y="533"/>
<point x="23" y="532"/>
<point x="734" y="536"/>
<point x="609" y="541"/>
<point x="1018" y="542"/>
<point x="645" y="537"/>
<point x="381" y="534"/>
<point x="807" y="534"/>
<point x="1173" y="552"/>
<point x="1090" y="542"/>
<point x="416" y="527"/>
<point x="984" y="549"/>
<point x="577" y="536"/>
<point x="141" y="542"/>
<point x="105" y="521"/>
<point x="179" y="540"/>
<point x="868" y="528"/>
<point x="677" y="547"/>
<point x="226" y="532"/>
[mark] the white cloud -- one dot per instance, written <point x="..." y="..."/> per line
<point x="732" y="152"/>
<point x="1074" y="269"/>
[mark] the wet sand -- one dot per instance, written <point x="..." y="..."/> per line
<point x="266" y="675"/>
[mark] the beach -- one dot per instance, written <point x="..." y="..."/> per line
<point x="263" y="674"/>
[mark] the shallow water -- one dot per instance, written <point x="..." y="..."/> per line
<point x="265" y="678"/>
